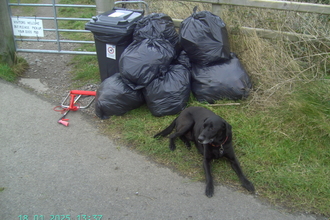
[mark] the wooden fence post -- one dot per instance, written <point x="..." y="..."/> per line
<point x="216" y="9"/>
<point x="7" y="44"/>
<point x="104" y="5"/>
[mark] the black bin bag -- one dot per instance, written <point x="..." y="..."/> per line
<point x="115" y="98"/>
<point x="156" y="25"/>
<point x="204" y="37"/>
<point x="183" y="59"/>
<point x="142" y="62"/>
<point x="169" y="94"/>
<point x="225" y="80"/>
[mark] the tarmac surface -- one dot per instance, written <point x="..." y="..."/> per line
<point x="52" y="172"/>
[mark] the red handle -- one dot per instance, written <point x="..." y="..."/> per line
<point x="83" y="92"/>
<point x="64" y="122"/>
<point x="72" y="102"/>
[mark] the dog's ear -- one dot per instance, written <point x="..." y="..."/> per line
<point x="205" y="121"/>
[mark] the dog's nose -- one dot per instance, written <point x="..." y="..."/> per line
<point x="201" y="138"/>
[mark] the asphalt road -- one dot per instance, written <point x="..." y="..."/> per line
<point x="52" y="172"/>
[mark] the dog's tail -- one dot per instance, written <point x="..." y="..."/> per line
<point x="167" y="130"/>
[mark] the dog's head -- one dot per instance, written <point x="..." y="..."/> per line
<point x="215" y="130"/>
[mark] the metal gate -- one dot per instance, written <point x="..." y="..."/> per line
<point x="32" y="33"/>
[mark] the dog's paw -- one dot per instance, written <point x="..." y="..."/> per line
<point x="209" y="191"/>
<point x="249" y="186"/>
<point x="188" y="145"/>
<point x="172" y="147"/>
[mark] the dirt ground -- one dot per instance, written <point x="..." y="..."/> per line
<point x="48" y="74"/>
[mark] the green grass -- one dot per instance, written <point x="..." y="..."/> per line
<point x="85" y="69"/>
<point x="288" y="147"/>
<point x="11" y="73"/>
<point x="76" y="25"/>
<point x="7" y="73"/>
<point x="26" y="10"/>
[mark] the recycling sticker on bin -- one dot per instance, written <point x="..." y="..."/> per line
<point x="111" y="51"/>
<point x="116" y="14"/>
<point x="119" y="13"/>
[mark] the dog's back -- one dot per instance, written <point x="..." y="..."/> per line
<point x="195" y="114"/>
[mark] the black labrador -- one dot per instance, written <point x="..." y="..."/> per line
<point x="213" y="138"/>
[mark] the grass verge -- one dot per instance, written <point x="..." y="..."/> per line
<point x="11" y="73"/>
<point x="7" y="73"/>
<point x="85" y="70"/>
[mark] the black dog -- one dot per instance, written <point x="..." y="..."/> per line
<point x="213" y="138"/>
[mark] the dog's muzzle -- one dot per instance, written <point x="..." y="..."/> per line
<point x="202" y="140"/>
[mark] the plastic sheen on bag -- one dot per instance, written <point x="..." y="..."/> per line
<point x="115" y="98"/>
<point x="142" y="62"/>
<point x="156" y="25"/>
<point x="204" y="37"/>
<point x="183" y="59"/>
<point x="169" y="94"/>
<point x="225" y="80"/>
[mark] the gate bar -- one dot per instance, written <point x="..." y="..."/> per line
<point x="56" y="52"/>
<point x="51" y="5"/>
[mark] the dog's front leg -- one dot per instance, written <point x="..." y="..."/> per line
<point x="209" y="191"/>
<point x="238" y="170"/>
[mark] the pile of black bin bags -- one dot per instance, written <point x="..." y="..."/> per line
<point x="161" y="67"/>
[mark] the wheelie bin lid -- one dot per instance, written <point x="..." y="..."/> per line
<point x="117" y="18"/>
